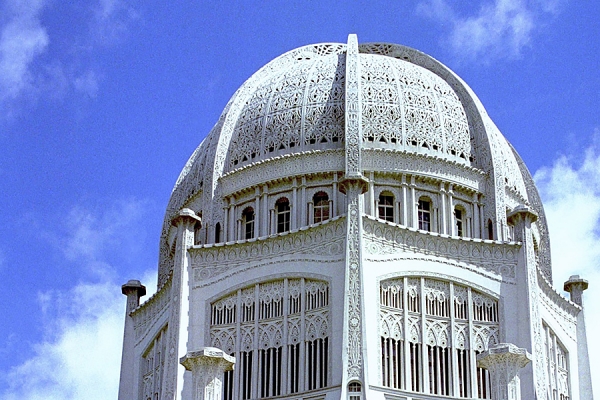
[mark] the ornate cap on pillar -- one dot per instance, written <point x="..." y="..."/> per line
<point x="207" y="366"/>
<point x="504" y="361"/>
<point x="522" y="211"/>
<point x="184" y="214"/>
<point x="575" y="286"/>
<point x="133" y="289"/>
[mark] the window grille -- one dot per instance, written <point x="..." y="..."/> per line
<point x="276" y="365"/>
<point x="424" y="361"/>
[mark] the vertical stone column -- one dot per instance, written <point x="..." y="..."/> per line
<point x="133" y="290"/>
<point x="575" y="286"/>
<point x="178" y="325"/>
<point x="207" y="367"/>
<point x="528" y="332"/>
<point x="353" y="185"/>
<point x="504" y="361"/>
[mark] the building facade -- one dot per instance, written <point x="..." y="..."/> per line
<point x="355" y="226"/>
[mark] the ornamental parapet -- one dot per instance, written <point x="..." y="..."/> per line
<point x="562" y="309"/>
<point x="322" y="242"/>
<point x="426" y="165"/>
<point x="494" y="259"/>
<point x="282" y="167"/>
<point x="146" y="316"/>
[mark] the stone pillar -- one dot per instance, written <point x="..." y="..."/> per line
<point x="207" y="367"/>
<point x="575" y="286"/>
<point x="133" y="290"/>
<point x="178" y="334"/>
<point x="504" y="361"/>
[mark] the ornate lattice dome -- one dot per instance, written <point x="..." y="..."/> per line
<point x="416" y="116"/>
<point x="299" y="108"/>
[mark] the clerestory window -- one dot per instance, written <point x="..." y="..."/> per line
<point x="321" y="207"/>
<point x="424" y="214"/>
<point x="385" y="208"/>
<point x="283" y="211"/>
<point x="248" y="222"/>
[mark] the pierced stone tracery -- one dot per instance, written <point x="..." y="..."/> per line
<point x="272" y="362"/>
<point x="434" y="354"/>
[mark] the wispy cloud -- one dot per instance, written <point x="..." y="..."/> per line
<point x="498" y="29"/>
<point x="31" y="68"/>
<point x="83" y="326"/>
<point x="571" y="193"/>
<point x="22" y="39"/>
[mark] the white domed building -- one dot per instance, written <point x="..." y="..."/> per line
<point x="355" y="226"/>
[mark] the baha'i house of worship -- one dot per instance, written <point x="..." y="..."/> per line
<point x="355" y="227"/>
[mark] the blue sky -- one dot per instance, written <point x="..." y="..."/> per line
<point x="103" y="101"/>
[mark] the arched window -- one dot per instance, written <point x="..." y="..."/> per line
<point x="490" y="229"/>
<point x="424" y="212"/>
<point x="248" y="222"/>
<point x="385" y="208"/>
<point x="428" y="361"/>
<point x="197" y="233"/>
<point x="354" y="391"/>
<point x="282" y="208"/>
<point x="459" y="221"/>
<point x="218" y="233"/>
<point x="321" y="207"/>
<point x="289" y="353"/>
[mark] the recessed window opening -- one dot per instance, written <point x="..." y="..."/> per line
<point x="248" y="222"/>
<point x="282" y="208"/>
<point x="385" y="208"/>
<point x="458" y="220"/>
<point x="321" y="207"/>
<point x="218" y="233"/>
<point x="197" y="233"/>
<point x="490" y="229"/>
<point x="424" y="213"/>
<point x="354" y="391"/>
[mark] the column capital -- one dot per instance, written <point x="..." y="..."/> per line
<point x="207" y="366"/>
<point x="523" y="212"/>
<point x="185" y="214"/>
<point x="207" y="355"/>
<point x="575" y="286"/>
<point x="504" y="361"/>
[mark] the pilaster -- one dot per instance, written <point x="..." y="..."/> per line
<point x="353" y="185"/>
<point x="529" y="324"/>
<point x="179" y="306"/>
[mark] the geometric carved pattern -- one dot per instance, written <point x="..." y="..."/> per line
<point x="498" y="259"/>
<point x="452" y="313"/>
<point x="407" y="107"/>
<point x="262" y="313"/>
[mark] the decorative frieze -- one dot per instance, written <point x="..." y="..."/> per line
<point x="386" y="239"/>
<point x="322" y="242"/>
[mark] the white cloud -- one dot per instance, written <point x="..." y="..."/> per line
<point x="79" y="356"/>
<point x="500" y="28"/>
<point x="22" y="39"/>
<point x="571" y="194"/>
